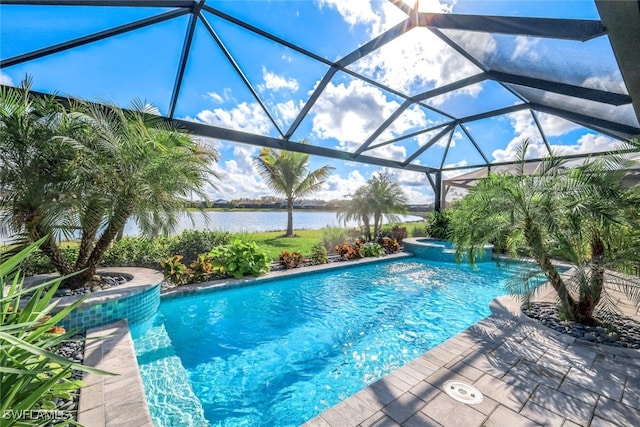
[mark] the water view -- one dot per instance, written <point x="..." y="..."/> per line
<point x="250" y="221"/>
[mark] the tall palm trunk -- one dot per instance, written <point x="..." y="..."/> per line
<point x="289" y="217"/>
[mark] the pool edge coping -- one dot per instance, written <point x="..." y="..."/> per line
<point x="117" y="400"/>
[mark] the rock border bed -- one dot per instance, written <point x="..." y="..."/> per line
<point x="620" y="331"/>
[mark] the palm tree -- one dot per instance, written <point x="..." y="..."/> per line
<point x="380" y="198"/>
<point x="89" y="170"/>
<point x="387" y="200"/>
<point x="285" y="172"/>
<point x="358" y="209"/>
<point x="577" y="213"/>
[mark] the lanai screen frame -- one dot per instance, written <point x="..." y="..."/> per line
<point x="619" y="21"/>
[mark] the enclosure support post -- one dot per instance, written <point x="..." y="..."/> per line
<point x="437" y="190"/>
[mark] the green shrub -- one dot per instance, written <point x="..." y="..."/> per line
<point x="371" y="249"/>
<point x="419" y="231"/>
<point x="238" y="259"/>
<point x="438" y="225"/>
<point x="291" y="259"/>
<point x="191" y="243"/>
<point x="33" y="375"/>
<point x="136" y="252"/>
<point x="332" y="237"/>
<point x="39" y="263"/>
<point x="319" y="254"/>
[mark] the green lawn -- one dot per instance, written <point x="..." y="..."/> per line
<point x="274" y="242"/>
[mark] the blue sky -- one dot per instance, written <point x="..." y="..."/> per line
<point x="143" y="64"/>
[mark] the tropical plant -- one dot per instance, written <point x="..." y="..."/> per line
<point x="175" y="270"/>
<point x="348" y="251"/>
<point x="319" y="254"/>
<point x="32" y="375"/>
<point x="396" y="232"/>
<point x="390" y="245"/>
<point x="286" y="173"/>
<point x="202" y="269"/>
<point x="238" y="259"/>
<point x="291" y="259"/>
<point x="438" y="225"/>
<point x="578" y="211"/>
<point x="83" y="169"/>
<point x="371" y="249"/>
<point x="380" y="198"/>
<point x="191" y="243"/>
<point x="334" y="236"/>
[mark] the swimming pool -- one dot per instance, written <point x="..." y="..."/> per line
<point x="281" y="352"/>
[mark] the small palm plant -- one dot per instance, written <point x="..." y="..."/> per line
<point x="380" y="198"/>
<point x="32" y="375"/>
<point x="579" y="213"/>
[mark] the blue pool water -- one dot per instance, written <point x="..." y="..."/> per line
<point x="281" y="352"/>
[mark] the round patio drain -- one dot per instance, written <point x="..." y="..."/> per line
<point x="462" y="392"/>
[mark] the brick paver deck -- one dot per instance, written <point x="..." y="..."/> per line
<point x="529" y="376"/>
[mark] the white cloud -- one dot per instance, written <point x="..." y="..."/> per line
<point x="248" y="117"/>
<point x="433" y="6"/>
<point x="553" y="126"/>
<point x="238" y="176"/>
<point x="338" y="187"/>
<point x="215" y="97"/>
<point x="220" y="98"/>
<point x="415" y="185"/>
<point x="5" y="79"/>
<point x="288" y="111"/>
<point x="587" y="143"/>
<point x="608" y="83"/>
<point x="525" y="47"/>
<point x="275" y="82"/>
<point x="362" y="12"/>
<point x="350" y="113"/>
<point x="453" y="173"/>
<point x="389" y="151"/>
<point x="418" y="61"/>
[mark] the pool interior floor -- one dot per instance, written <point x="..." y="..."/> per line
<point x="529" y="375"/>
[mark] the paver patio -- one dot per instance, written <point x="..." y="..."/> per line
<point x="529" y="376"/>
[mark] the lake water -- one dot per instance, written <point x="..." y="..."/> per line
<point x="250" y="221"/>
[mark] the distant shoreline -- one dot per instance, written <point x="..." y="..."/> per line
<point x="419" y="213"/>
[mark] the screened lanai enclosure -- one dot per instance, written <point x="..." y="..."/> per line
<point x="433" y="89"/>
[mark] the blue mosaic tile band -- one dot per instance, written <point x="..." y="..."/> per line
<point x="135" y="308"/>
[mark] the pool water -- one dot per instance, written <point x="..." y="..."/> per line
<point x="281" y="352"/>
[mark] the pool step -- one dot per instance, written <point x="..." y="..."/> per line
<point x="174" y="395"/>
